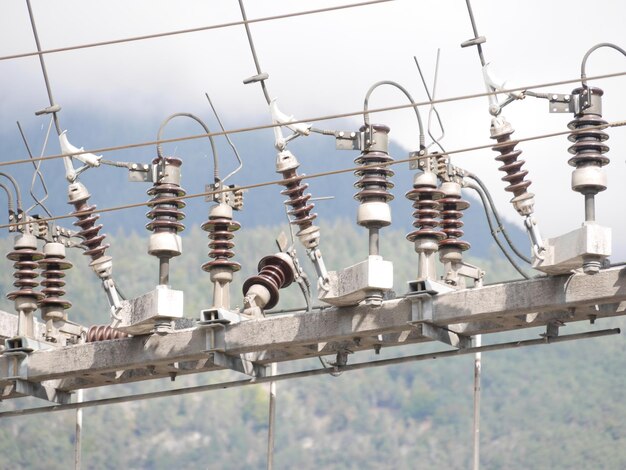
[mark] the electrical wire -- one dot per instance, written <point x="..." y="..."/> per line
<point x="195" y="30"/>
<point x="230" y="142"/>
<point x="57" y="125"/>
<point x="366" y="116"/>
<point x="480" y="192"/>
<point x="254" y="54"/>
<point x="329" y="117"/>
<point x="496" y="214"/>
<point x="18" y="193"/>
<point x="334" y="172"/>
<point x="10" y="204"/>
<point x="208" y="134"/>
<point x="583" y="65"/>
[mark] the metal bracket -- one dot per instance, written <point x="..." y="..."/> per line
<point x="213" y="337"/>
<point x="233" y="196"/>
<point x="445" y="336"/>
<point x="23" y="388"/>
<point x="212" y="316"/>
<point x="421" y="307"/>
<point x="561" y="103"/>
<point x="348" y="140"/>
<point x="141" y="173"/>
<point x="238" y="363"/>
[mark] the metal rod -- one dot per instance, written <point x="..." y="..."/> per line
<point x="475" y="30"/>
<point x="272" y="419"/>
<point x="477" y="389"/>
<point x="374" y="241"/>
<point x="590" y="208"/>
<point x="43" y="67"/>
<point x="79" y="431"/>
<point x="309" y="373"/>
<point x="164" y="271"/>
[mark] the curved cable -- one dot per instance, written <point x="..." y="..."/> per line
<point x="206" y="129"/>
<point x="496" y="214"/>
<point x="480" y="192"/>
<point x="583" y="65"/>
<point x="230" y="142"/>
<point x="366" y="116"/>
<point x="9" y="197"/>
<point x="18" y="193"/>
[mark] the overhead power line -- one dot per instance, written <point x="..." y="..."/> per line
<point x="312" y="119"/>
<point x="194" y="30"/>
<point x="324" y="174"/>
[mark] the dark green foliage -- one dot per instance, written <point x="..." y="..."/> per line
<point x="558" y="406"/>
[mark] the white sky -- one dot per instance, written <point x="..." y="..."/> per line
<point x="323" y="64"/>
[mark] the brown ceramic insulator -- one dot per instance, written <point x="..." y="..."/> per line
<point x="53" y="273"/>
<point x="89" y="231"/>
<point x="274" y="274"/>
<point x="103" y="333"/>
<point x="301" y="208"/>
<point x="373" y="183"/>
<point x="25" y="265"/>
<point x="588" y="147"/>
<point x="451" y="214"/>
<point x="165" y="215"/>
<point x="511" y="165"/>
<point x="426" y="214"/>
<point x="221" y="234"/>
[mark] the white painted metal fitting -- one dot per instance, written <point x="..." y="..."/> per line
<point x="370" y="213"/>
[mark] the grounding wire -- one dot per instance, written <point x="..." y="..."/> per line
<point x="208" y="134"/>
<point x="195" y="30"/>
<point x="366" y="115"/>
<point x="328" y="117"/>
<point x="583" y="65"/>
<point x="432" y="109"/>
<point x="335" y="172"/>
<point x="501" y="227"/>
<point x="37" y="172"/>
<point x="228" y="139"/>
<point x="480" y="192"/>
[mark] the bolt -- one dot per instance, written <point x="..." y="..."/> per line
<point x="342" y="133"/>
<point x="555" y="97"/>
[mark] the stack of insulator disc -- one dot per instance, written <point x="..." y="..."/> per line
<point x="301" y="208"/>
<point x="373" y="183"/>
<point x="25" y="264"/>
<point x="103" y="333"/>
<point x="166" y="215"/>
<point x="426" y="204"/>
<point x="274" y="274"/>
<point x="221" y="234"/>
<point x="451" y="214"/>
<point x="53" y="266"/>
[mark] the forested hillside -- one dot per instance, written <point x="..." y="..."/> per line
<point x="557" y="406"/>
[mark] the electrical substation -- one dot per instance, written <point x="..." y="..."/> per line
<point x="347" y="309"/>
